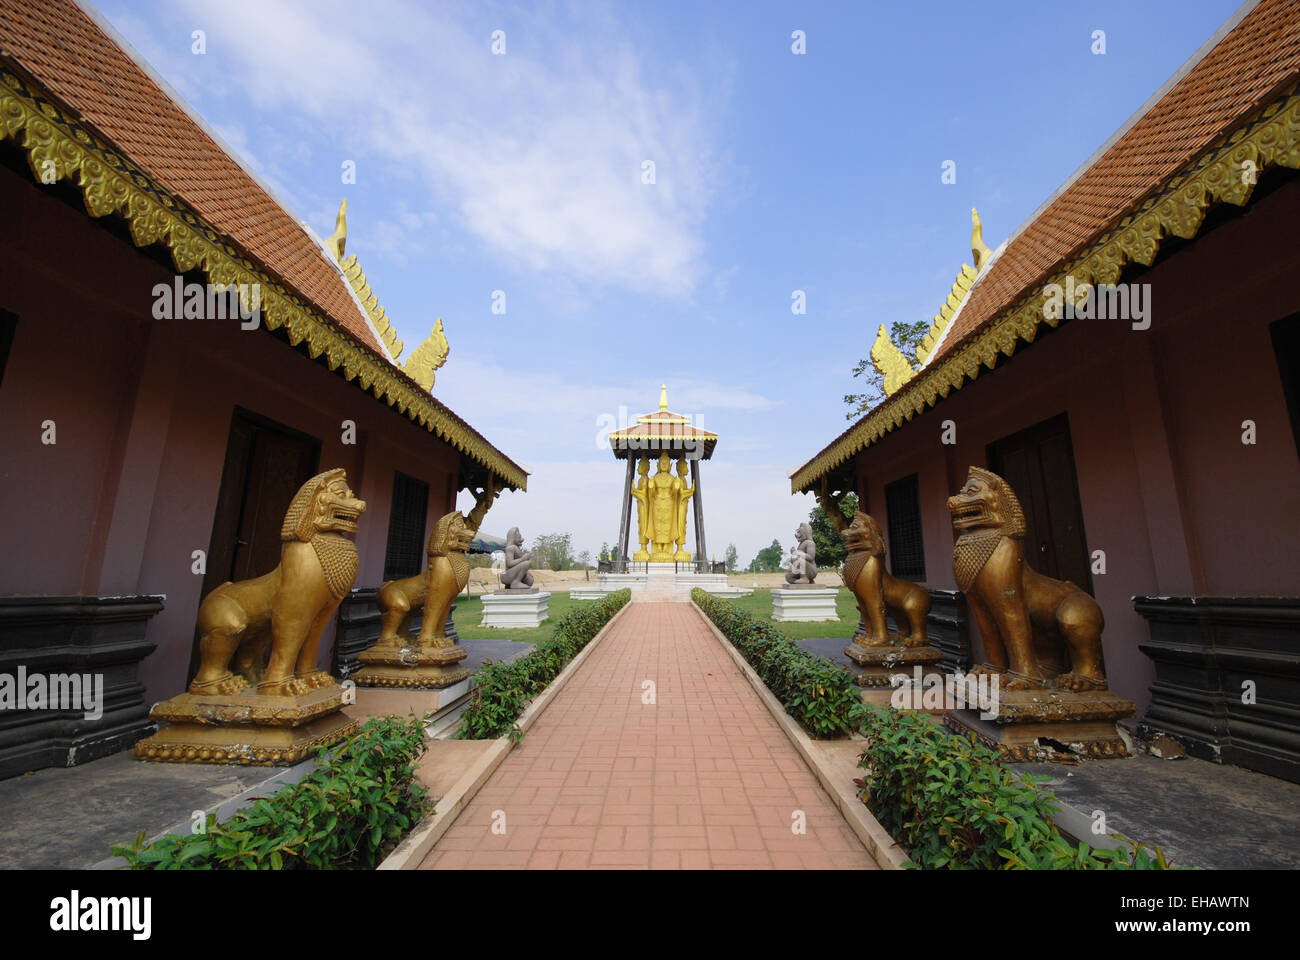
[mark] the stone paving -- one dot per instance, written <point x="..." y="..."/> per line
<point x="703" y="777"/>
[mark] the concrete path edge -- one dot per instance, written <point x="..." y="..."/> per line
<point x="886" y="851"/>
<point x="410" y="853"/>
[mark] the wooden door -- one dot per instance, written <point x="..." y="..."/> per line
<point x="1039" y="465"/>
<point x="266" y="463"/>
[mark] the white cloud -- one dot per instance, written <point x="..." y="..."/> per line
<point x="539" y="152"/>
<point x="722" y="281"/>
<point x="534" y="413"/>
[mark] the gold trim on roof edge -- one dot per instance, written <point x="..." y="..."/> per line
<point x="891" y="362"/>
<point x="111" y="184"/>
<point x="337" y="244"/>
<point x="432" y="352"/>
<point x="370" y="303"/>
<point x="1178" y="209"/>
<point x="956" y="297"/>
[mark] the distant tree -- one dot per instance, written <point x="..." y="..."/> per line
<point x="830" y="548"/>
<point x="732" y="558"/>
<point x="604" y="552"/>
<point x="907" y="336"/>
<point x="613" y="553"/>
<point x="768" y="559"/>
<point x="552" y="551"/>
<point x="584" y="558"/>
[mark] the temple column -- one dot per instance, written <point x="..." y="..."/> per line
<point x="701" y="552"/>
<point x="625" y="519"/>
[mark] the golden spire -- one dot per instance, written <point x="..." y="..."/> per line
<point x="337" y="240"/>
<point x="428" y="357"/>
<point x="978" y="248"/>
<point x="890" y="362"/>
<point x="663" y="397"/>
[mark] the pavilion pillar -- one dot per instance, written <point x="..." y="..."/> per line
<point x="625" y="517"/>
<point x="701" y="551"/>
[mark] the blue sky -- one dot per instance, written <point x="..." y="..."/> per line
<point x="774" y="172"/>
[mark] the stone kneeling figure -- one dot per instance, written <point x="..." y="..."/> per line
<point x="803" y="557"/>
<point x="516" y="575"/>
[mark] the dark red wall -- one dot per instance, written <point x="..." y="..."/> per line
<point x="1168" y="490"/>
<point x="143" y="411"/>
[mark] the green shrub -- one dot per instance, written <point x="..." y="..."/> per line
<point x="951" y="802"/>
<point x="348" y="813"/>
<point x="813" y="690"/>
<point x="502" y="690"/>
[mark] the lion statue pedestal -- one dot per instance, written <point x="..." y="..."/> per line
<point x="258" y="697"/>
<point x="1042" y="638"/>
<point x="880" y="653"/>
<point x="431" y="660"/>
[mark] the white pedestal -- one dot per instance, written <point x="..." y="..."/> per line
<point x="713" y="583"/>
<point x="607" y="583"/>
<point x="513" y="611"/>
<point x="817" y="603"/>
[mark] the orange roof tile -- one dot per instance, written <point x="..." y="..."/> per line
<point x="661" y="431"/>
<point x="1249" y="67"/>
<point x="67" y="52"/>
<point x="1241" y="73"/>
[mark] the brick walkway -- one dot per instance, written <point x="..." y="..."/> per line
<point x="702" y="778"/>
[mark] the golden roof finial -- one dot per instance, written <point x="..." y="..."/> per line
<point x="337" y="240"/>
<point x="978" y="248"/>
<point x="428" y="357"/>
<point x="663" y="397"/>
<point x="890" y="362"/>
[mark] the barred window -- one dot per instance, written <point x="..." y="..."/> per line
<point x="906" y="545"/>
<point x="405" y="552"/>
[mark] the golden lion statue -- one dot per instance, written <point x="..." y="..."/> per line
<point x="287" y="609"/>
<point x="1033" y="626"/>
<point x="434" y="589"/>
<point x="877" y="591"/>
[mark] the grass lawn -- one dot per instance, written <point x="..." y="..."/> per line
<point x="469" y="613"/>
<point x="760" y="606"/>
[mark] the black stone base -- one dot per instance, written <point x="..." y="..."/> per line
<point x="1212" y="656"/>
<point x="359" y="628"/>
<point x="99" y="636"/>
<point x="948" y="628"/>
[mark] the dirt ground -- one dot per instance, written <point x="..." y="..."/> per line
<point x="483" y="580"/>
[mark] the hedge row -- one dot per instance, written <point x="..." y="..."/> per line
<point x="951" y="802"/>
<point x="348" y="813"/>
<point x="813" y="690"/>
<point x="502" y="690"/>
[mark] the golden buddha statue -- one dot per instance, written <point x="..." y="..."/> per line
<point x="683" y="501"/>
<point x="642" y="494"/>
<point x="663" y="492"/>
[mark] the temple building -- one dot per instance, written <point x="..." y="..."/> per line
<point x="662" y="438"/>
<point x="660" y="507"/>
<point x="1129" y="360"/>
<point x="178" y="354"/>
